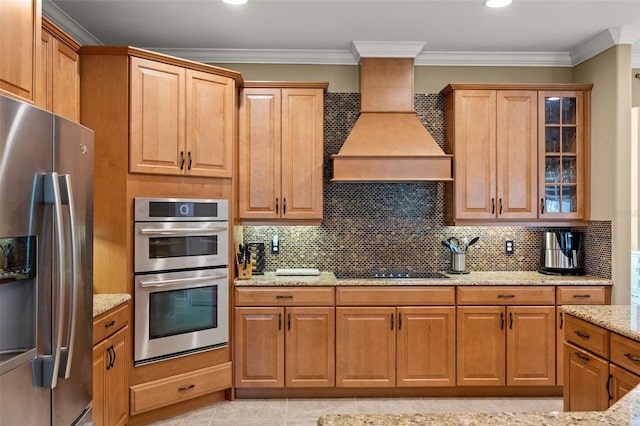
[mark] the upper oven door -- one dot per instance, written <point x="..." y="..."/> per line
<point x="162" y="246"/>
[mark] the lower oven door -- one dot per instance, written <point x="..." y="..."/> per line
<point x="178" y="313"/>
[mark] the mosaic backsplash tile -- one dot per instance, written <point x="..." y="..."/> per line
<point x="400" y="226"/>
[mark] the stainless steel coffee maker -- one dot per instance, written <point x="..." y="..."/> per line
<point x="562" y="253"/>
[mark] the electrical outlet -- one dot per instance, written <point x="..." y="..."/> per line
<point x="508" y="246"/>
<point x="275" y="245"/>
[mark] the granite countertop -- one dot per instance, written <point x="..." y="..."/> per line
<point x="621" y="319"/>
<point x="103" y="302"/>
<point x="473" y="278"/>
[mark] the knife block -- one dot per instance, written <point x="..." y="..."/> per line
<point x="257" y="257"/>
<point x="244" y="273"/>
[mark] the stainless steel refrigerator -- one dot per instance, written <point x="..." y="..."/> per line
<point x="46" y="267"/>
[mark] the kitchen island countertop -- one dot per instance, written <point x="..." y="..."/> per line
<point x="473" y="278"/>
<point x="103" y="302"/>
<point x="622" y="319"/>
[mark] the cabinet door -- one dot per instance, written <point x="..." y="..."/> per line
<point x="310" y="347"/>
<point x="100" y="364"/>
<point x="365" y="347"/>
<point x="302" y="130"/>
<point x="481" y="346"/>
<point x="562" y="153"/>
<point x="20" y="48"/>
<point x="475" y="154"/>
<point x="117" y="405"/>
<point x="209" y="124"/>
<point x="517" y="154"/>
<point x="259" y="154"/>
<point x="157" y="123"/>
<point x="622" y="382"/>
<point x="65" y="81"/>
<point x="426" y="346"/>
<point x="259" y="347"/>
<point x="585" y="380"/>
<point x="531" y="346"/>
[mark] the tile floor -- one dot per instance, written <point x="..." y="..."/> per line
<point x="305" y="412"/>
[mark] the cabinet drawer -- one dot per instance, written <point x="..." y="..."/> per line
<point x="506" y="295"/>
<point x="587" y="335"/>
<point x="580" y="295"/>
<point x="170" y="390"/>
<point x="111" y="321"/>
<point x="285" y="296"/>
<point x="625" y="352"/>
<point x="377" y="296"/>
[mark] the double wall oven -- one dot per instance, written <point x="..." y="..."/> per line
<point x="181" y="277"/>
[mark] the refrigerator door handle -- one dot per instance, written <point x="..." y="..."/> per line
<point x="51" y="363"/>
<point x="66" y="197"/>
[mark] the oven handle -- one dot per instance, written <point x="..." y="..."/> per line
<point x="165" y="283"/>
<point x="181" y="231"/>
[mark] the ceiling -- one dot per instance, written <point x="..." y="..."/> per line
<point x="455" y="32"/>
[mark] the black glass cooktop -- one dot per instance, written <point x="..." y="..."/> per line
<point x="390" y="275"/>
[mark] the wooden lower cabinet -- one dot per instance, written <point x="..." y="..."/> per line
<point x="513" y="346"/>
<point x="110" y="368"/>
<point x="585" y="380"/>
<point x="389" y="347"/>
<point x="622" y="381"/>
<point x="277" y="346"/>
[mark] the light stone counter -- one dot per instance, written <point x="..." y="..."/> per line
<point x="473" y="278"/>
<point x="622" y="319"/>
<point x="103" y="302"/>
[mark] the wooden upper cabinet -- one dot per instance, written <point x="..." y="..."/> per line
<point x="58" y="83"/>
<point x="181" y="120"/>
<point x="20" y="27"/>
<point x="280" y="152"/>
<point x="520" y="153"/>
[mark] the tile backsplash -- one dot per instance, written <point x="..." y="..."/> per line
<point x="378" y="226"/>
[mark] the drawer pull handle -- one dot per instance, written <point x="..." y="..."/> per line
<point x="632" y="358"/>
<point x="186" y="388"/>
<point x="581" y="296"/>
<point x="609" y="387"/>
<point x="581" y="334"/>
<point x="506" y="296"/>
<point x="582" y="357"/>
<point x="284" y="297"/>
<point x="110" y="324"/>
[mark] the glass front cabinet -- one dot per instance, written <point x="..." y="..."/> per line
<point x="563" y="126"/>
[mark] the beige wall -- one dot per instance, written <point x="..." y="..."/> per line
<point x="635" y="87"/>
<point x="428" y="79"/>
<point x="611" y="154"/>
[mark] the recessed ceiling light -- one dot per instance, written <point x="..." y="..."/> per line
<point x="497" y="3"/>
<point x="235" y="1"/>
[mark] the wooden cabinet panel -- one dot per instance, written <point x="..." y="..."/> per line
<point x="517" y="154"/>
<point x="585" y="380"/>
<point x="259" y="340"/>
<point x="506" y="295"/>
<point x="284" y="296"/>
<point x="157" y="118"/>
<point x="622" y="382"/>
<point x="105" y="325"/>
<point x="531" y="357"/>
<point x="280" y="152"/>
<point x="310" y="347"/>
<point x="116" y="389"/>
<point x="365" y="347"/>
<point x="100" y="364"/>
<point x="426" y="346"/>
<point x="625" y="352"/>
<point x="481" y="346"/>
<point x="396" y="296"/>
<point x="20" y="29"/>
<point x="209" y="124"/>
<point x="587" y="335"/>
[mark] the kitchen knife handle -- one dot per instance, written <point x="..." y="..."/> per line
<point x="190" y="161"/>
<point x="542" y="205"/>
<point x="181" y="160"/>
<point x="277" y="205"/>
<point x="500" y="201"/>
<point x="284" y="206"/>
<point x="493" y="205"/>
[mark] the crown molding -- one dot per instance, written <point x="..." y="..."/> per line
<point x="262" y="56"/>
<point x="603" y="41"/>
<point x="386" y="49"/>
<point x="68" y="24"/>
<point x="495" y="59"/>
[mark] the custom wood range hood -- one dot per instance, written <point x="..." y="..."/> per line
<point x="388" y="143"/>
